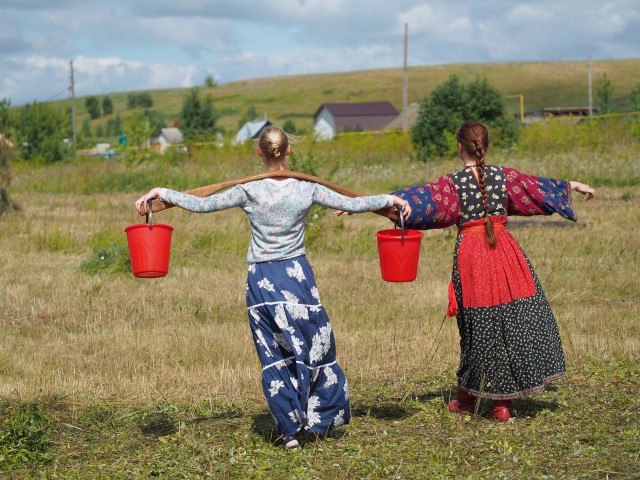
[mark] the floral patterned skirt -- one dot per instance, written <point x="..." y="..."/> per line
<point x="304" y="385"/>
<point x="509" y="340"/>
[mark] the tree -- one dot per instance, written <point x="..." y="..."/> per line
<point x="138" y="132"/>
<point x="93" y="107"/>
<point x="137" y="129"/>
<point x="113" y="127"/>
<point x="290" y="127"/>
<point x="144" y="100"/>
<point x="452" y="103"/>
<point x="156" y="120"/>
<point x="41" y="131"/>
<point x="440" y="113"/>
<point x="604" y="95"/>
<point x="209" y="82"/>
<point x="198" y="117"/>
<point x="635" y="106"/>
<point x="107" y="105"/>
<point x="6" y="155"/>
<point x="5" y="115"/>
<point x="85" y="130"/>
<point x="250" y="115"/>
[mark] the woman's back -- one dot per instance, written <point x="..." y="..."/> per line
<point x="277" y="211"/>
<point x="469" y="193"/>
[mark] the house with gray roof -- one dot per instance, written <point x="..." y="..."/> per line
<point x="167" y="137"/>
<point x="251" y="130"/>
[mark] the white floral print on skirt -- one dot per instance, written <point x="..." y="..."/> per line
<point x="304" y="385"/>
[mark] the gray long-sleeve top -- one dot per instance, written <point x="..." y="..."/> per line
<point x="277" y="210"/>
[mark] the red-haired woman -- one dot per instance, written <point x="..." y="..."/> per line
<point x="510" y="345"/>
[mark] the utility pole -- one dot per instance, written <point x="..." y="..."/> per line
<point x="590" y="95"/>
<point x="405" y="110"/>
<point x="72" y="87"/>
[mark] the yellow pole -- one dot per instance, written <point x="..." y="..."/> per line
<point x="521" y="97"/>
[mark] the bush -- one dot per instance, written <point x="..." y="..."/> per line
<point x="453" y="103"/>
<point x="113" y="258"/>
<point x="6" y="154"/>
<point x="41" y="131"/>
<point x="144" y="100"/>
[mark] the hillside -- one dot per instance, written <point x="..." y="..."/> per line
<point x="297" y="97"/>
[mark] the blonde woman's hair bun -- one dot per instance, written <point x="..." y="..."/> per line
<point x="274" y="150"/>
<point x="274" y="142"/>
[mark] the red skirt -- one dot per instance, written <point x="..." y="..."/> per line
<point x="490" y="276"/>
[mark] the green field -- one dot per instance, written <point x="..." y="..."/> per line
<point x="297" y="97"/>
<point x="104" y="376"/>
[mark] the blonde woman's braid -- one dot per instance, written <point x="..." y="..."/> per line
<point x="274" y="150"/>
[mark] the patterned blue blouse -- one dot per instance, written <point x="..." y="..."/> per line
<point x="277" y="210"/>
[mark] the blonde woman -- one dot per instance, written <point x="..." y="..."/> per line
<point x="304" y="386"/>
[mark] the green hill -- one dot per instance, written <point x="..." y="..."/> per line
<point x="297" y="97"/>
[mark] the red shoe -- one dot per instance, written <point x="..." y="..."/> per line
<point x="464" y="403"/>
<point x="501" y="411"/>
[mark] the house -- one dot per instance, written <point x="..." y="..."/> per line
<point x="333" y="118"/>
<point x="167" y="137"/>
<point x="251" y="130"/>
<point x="567" y="111"/>
<point x="99" y="149"/>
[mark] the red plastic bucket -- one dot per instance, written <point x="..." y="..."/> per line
<point x="399" y="252"/>
<point x="149" y="248"/>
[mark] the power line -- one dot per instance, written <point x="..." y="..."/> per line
<point x="57" y="95"/>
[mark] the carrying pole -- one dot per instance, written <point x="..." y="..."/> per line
<point x="389" y="212"/>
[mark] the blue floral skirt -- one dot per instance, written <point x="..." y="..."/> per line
<point x="304" y="385"/>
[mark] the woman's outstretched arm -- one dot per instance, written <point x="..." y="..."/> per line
<point x="233" y="197"/>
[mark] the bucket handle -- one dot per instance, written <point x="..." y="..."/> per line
<point x="150" y="214"/>
<point x="401" y="221"/>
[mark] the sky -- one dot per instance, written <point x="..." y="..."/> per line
<point x="127" y="45"/>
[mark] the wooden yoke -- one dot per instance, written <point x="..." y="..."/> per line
<point x="389" y="212"/>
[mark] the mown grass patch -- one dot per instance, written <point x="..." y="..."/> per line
<point x="585" y="427"/>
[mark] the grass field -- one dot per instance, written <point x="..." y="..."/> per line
<point x="104" y="376"/>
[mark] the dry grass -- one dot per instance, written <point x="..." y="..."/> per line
<point x="108" y="376"/>
<point x="68" y="334"/>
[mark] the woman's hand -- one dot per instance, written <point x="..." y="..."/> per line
<point x="142" y="204"/>
<point x="583" y="189"/>
<point x="404" y="205"/>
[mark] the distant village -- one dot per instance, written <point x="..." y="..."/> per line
<point x="331" y="119"/>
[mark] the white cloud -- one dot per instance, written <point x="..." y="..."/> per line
<point x="40" y="78"/>
<point x="121" y="45"/>
<point x="199" y="33"/>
